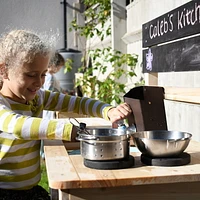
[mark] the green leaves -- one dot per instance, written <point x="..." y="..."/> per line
<point x="97" y="12"/>
<point x="68" y="65"/>
<point x="104" y="79"/>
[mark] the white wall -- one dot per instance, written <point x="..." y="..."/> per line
<point x="180" y="116"/>
<point x="42" y="16"/>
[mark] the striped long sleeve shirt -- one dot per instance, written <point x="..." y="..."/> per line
<point x="22" y="128"/>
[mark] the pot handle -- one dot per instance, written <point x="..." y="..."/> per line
<point x="79" y="125"/>
<point x="83" y="137"/>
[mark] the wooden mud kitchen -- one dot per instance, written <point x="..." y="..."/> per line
<point x="70" y="179"/>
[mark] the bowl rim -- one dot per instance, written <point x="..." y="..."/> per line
<point x="137" y="135"/>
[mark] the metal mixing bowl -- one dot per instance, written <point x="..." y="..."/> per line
<point x="161" y="143"/>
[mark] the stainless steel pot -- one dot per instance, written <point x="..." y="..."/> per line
<point x="104" y="144"/>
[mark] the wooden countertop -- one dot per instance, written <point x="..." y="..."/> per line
<point x="68" y="171"/>
<point x="183" y="94"/>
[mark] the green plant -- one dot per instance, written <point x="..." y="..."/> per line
<point x="111" y="67"/>
<point x="103" y="80"/>
<point x="68" y="65"/>
<point x="96" y="12"/>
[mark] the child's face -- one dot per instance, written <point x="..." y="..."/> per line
<point x="54" y="69"/>
<point x="22" y="84"/>
<point x="58" y="68"/>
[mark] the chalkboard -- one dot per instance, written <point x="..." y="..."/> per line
<point x="182" y="55"/>
<point x="177" y="47"/>
<point x="180" y="22"/>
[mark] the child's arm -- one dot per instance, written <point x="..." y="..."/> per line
<point x="74" y="104"/>
<point x="35" y="128"/>
<point x="32" y="128"/>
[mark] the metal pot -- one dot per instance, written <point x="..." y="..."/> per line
<point x="104" y="144"/>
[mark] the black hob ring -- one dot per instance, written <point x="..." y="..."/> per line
<point x="110" y="164"/>
<point x="182" y="159"/>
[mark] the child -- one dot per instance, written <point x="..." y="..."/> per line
<point x="51" y="83"/>
<point x="24" y="60"/>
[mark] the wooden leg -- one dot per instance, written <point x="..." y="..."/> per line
<point x="54" y="194"/>
<point x="64" y="194"/>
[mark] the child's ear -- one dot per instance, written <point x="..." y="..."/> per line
<point x="3" y="71"/>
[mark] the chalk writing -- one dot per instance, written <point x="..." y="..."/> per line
<point x="149" y="59"/>
<point x="187" y="17"/>
<point x="162" y="27"/>
<point x="175" y="21"/>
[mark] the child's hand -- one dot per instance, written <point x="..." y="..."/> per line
<point x="119" y="112"/>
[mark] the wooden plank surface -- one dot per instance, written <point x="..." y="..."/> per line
<point x="59" y="166"/>
<point x="92" y="178"/>
<point x="68" y="172"/>
<point x="189" y="95"/>
<point x="137" y="175"/>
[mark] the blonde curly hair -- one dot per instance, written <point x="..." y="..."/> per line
<point x="21" y="46"/>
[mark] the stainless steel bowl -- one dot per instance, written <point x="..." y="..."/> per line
<point x="161" y="143"/>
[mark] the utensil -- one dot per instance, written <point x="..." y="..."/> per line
<point x="79" y="125"/>
<point x="161" y="143"/>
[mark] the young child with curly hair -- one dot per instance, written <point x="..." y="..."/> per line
<point x="24" y="61"/>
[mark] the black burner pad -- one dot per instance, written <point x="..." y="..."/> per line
<point x="182" y="159"/>
<point x="110" y="164"/>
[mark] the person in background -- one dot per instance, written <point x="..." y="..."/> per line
<point x="24" y="61"/>
<point x="51" y="83"/>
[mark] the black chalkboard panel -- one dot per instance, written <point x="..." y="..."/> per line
<point x="183" y="55"/>
<point x="180" y="22"/>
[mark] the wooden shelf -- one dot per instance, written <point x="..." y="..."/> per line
<point x="188" y="95"/>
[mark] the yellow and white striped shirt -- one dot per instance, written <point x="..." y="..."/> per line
<point x="22" y="128"/>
